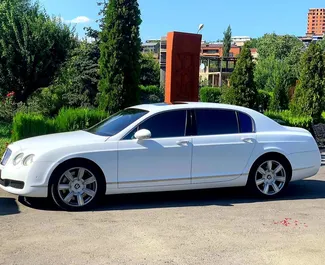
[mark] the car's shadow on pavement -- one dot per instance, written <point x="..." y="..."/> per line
<point x="307" y="189"/>
<point x="8" y="206"/>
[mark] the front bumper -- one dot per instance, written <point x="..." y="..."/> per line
<point x="30" y="181"/>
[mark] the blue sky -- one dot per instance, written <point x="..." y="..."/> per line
<point x="250" y="18"/>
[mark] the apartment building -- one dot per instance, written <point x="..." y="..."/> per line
<point x="316" y="22"/>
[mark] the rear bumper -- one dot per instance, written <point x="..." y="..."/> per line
<point x="305" y="164"/>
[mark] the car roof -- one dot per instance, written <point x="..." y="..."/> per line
<point x="157" y="107"/>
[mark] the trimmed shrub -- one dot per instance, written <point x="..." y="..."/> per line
<point x="78" y="119"/>
<point x="264" y="99"/>
<point x="151" y="94"/>
<point x="287" y="118"/>
<point x="210" y="94"/>
<point x="29" y="124"/>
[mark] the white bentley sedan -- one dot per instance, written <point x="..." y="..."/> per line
<point x="161" y="147"/>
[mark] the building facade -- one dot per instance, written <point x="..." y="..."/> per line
<point x="153" y="47"/>
<point x="240" y="40"/>
<point x="316" y="22"/>
<point x="216" y="50"/>
<point x="162" y="60"/>
<point x="211" y="54"/>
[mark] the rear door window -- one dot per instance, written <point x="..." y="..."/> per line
<point x="216" y="122"/>
<point x="245" y="123"/>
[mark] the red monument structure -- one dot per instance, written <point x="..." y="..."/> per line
<point x="182" y="67"/>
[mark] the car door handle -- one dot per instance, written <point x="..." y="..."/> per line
<point x="248" y="140"/>
<point x="183" y="142"/>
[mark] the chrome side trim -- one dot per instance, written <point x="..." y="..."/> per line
<point x="176" y="179"/>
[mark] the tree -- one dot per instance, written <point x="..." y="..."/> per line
<point x="76" y="84"/>
<point x="120" y="55"/>
<point x="309" y="94"/>
<point x="322" y="44"/>
<point x="226" y="42"/>
<point x="277" y="66"/>
<point x="242" y="80"/>
<point x="281" y="81"/>
<point x="280" y="47"/>
<point x="276" y="76"/>
<point x="252" y="43"/>
<point x="32" y="47"/>
<point x="150" y="70"/>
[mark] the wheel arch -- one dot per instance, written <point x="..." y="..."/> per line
<point x="272" y="154"/>
<point x="86" y="161"/>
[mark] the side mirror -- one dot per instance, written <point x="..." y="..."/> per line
<point x="142" y="134"/>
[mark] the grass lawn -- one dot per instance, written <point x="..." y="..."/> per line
<point x="5" y="131"/>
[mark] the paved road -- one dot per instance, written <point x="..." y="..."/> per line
<point x="225" y="226"/>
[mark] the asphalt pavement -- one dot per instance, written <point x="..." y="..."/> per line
<point x="220" y="226"/>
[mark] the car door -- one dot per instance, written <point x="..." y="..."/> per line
<point x="222" y="146"/>
<point x="164" y="159"/>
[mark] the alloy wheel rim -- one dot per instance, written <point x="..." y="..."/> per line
<point x="270" y="177"/>
<point x="77" y="187"/>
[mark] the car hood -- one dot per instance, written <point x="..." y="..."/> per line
<point x="58" y="140"/>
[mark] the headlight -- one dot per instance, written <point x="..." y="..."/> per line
<point x="18" y="159"/>
<point x="28" y="160"/>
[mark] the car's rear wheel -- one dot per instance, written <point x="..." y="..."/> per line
<point x="269" y="176"/>
<point x="76" y="186"/>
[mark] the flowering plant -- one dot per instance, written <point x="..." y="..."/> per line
<point x="8" y="107"/>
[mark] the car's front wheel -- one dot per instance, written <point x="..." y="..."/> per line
<point x="269" y="176"/>
<point x="76" y="186"/>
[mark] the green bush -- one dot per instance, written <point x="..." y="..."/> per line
<point x="323" y="117"/>
<point x="5" y="131"/>
<point x="264" y="99"/>
<point x="29" y="124"/>
<point x="287" y="118"/>
<point x="228" y="96"/>
<point x="151" y="94"/>
<point x="210" y="94"/>
<point x="78" y="119"/>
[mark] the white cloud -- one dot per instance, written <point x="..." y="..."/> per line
<point x="79" y="20"/>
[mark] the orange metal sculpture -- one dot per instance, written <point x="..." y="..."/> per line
<point x="182" y="67"/>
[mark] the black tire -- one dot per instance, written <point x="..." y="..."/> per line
<point x="254" y="175"/>
<point x="58" y="196"/>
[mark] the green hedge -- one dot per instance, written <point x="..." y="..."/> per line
<point x="210" y="94"/>
<point x="27" y="125"/>
<point x="151" y="94"/>
<point x="287" y="118"/>
<point x="78" y="119"/>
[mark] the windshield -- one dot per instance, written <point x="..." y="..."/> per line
<point x="118" y="122"/>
